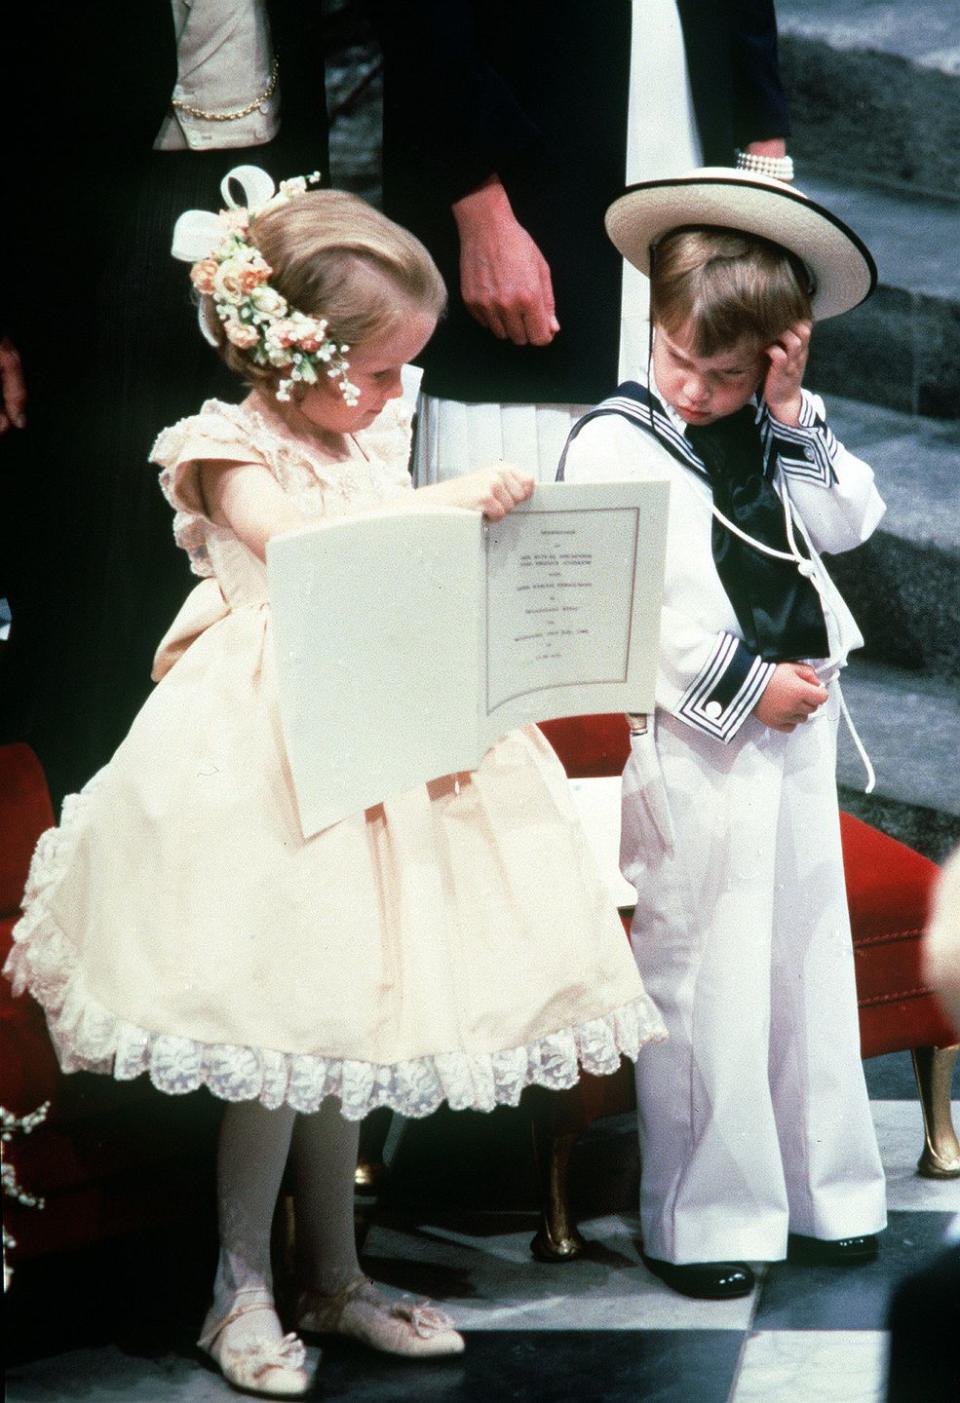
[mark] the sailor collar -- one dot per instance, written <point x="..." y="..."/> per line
<point x="642" y="405"/>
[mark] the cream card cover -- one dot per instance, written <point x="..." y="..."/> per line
<point x="409" y="639"/>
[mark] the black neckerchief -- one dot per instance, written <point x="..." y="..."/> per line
<point x="778" y="609"/>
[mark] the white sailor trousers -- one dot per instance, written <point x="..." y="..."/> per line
<point x="754" y="1118"/>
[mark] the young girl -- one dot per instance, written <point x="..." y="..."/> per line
<point x="754" y="1119"/>
<point x="452" y="942"/>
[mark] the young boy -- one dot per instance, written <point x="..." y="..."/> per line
<point x="755" y="1127"/>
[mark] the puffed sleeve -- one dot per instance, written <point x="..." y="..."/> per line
<point x="833" y="491"/>
<point x="213" y="435"/>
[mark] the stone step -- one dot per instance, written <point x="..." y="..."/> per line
<point x="903" y="585"/>
<point x="874" y="92"/>
<point x="875" y="89"/>
<point x="917" y="464"/>
<point x="902" y="347"/>
<point x="910" y="726"/>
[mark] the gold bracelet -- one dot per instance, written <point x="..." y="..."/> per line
<point x="268" y="91"/>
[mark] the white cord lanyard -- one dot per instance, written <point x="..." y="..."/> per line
<point x="808" y="569"/>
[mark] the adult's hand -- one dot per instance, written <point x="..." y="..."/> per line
<point x="504" y="278"/>
<point x="773" y="146"/>
<point x="13" y="388"/>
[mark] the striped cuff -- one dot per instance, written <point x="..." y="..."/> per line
<point x="806" y="450"/>
<point x="726" y="689"/>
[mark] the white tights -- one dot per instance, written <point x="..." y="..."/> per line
<point x="254" y="1147"/>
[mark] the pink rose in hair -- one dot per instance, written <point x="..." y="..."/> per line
<point x="202" y="275"/>
<point x="228" y="281"/>
<point x="268" y="301"/>
<point x="312" y="336"/>
<point x="283" y="333"/>
<point x="253" y="275"/>
<point x="242" y="335"/>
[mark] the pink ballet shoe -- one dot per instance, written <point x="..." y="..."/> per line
<point x="267" y="1368"/>
<point x="360" y="1312"/>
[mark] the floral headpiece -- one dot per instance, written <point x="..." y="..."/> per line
<point x="233" y="273"/>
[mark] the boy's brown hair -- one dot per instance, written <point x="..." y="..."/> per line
<point x="727" y="287"/>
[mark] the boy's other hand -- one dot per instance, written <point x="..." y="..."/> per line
<point x="788" y="361"/>
<point x="793" y="693"/>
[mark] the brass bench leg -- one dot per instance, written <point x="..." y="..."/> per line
<point x="933" y="1069"/>
<point x="557" y="1239"/>
<point x="283" y="1250"/>
<point x="370" y="1175"/>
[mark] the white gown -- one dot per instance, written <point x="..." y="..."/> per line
<point x="455" y="941"/>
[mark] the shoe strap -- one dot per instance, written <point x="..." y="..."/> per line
<point x="425" y="1319"/>
<point x="239" y="1309"/>
<point x="421" y="1315"/>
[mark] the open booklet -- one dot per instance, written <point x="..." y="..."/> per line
<point x="408" y="641"/>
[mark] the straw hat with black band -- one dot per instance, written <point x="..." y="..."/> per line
<point x="842" y="271"/>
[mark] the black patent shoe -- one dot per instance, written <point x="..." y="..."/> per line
<point x="836" y="1252"/>
<point x="707" y="1281"/>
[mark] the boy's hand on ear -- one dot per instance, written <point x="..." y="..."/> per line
<point x="788" y="361"/>
<point x="793" y="693"/>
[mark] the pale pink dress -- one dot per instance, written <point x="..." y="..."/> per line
<point x="453" y="942"/>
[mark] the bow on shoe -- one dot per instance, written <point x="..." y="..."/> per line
<point x="426" y="1320"/>
<point x="270" y="1368"/>
<point x="260" y="1355"/>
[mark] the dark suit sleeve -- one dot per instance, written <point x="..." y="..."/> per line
<point x="302" y="144"/>
<point x="759" y="102"/>
<point x="445" y="98"/>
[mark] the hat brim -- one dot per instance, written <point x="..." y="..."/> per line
<point x="841" y="266"/>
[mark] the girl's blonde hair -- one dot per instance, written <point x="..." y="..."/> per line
<point x="334" y="256"/>
<point x="727" y="287"/>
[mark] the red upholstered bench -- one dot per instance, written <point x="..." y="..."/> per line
<point x="888" y="886"/>
<point x="110" y="1157"/>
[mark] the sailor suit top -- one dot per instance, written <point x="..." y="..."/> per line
<point x="708" y="677"/>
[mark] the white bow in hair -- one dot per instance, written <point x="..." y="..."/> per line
<point x="199" y="231"/>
